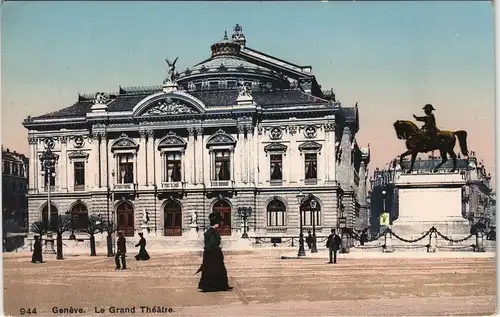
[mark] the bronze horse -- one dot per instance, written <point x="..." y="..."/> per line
<point x="417" y="143"/>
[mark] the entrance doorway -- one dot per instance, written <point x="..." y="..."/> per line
<point x="173" y="219"/>
<point x="224" y="209"/>
<point x="125" y="215"/>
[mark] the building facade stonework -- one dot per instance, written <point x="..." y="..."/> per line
<point x="14" y="187"/>
<point x="241" y="129"/>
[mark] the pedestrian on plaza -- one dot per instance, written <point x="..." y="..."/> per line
<point x="363" y="236"/>
<point x="309" y="239"/>
<point x="37" y="251"/>
<point x="333" y="244"/>
<point x="121" y="249"/>
<point x="213" y="271"/>
<point x="143" y="254"/>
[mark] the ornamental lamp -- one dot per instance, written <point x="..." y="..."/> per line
<point x="300" y="197"/>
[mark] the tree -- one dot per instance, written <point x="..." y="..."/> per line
<point x="40" y="228"/>
<point x="95" y="225"/>
<point x="63" y="225"/>
<point x="110" y="227"/>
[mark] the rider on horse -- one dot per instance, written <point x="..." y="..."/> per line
<point x="429" y="129"/>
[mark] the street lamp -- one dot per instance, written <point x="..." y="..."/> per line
<point x="300" y="198"/>
<point x="313" y="205"/>
<point x="48" y="161"/>
<point x="244" y="213"/>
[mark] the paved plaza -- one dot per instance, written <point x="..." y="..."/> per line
<point x="264" y="285"/>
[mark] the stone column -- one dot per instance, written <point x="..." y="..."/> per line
<point x="151" y="157"/>
<point x="240" y="149"/>
<point x="141" y="159"/>
<point x="103" y="137"/>
<point x="32" y="163"/>
<point x="63" y="164"/>
<point x="199" y="155"/>
<point x="251" y="154"/>
<point x="95" y="161"/>
<point x="330" y="150"/>
<point x="190" y="159"/>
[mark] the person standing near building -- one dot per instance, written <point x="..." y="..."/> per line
<point x="333" y="244"/>
<point x="143" y="254"/>
<point x="37" y="251"/>
<point x="309" y="239"/>
<point x="121" y="249"/>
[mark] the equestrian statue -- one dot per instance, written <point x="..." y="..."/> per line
<point x="429" y="138"/>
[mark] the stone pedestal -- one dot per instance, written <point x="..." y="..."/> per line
<point x="427" y="200"/>
<point x="49" y="244"/>
<point x="170" y="86"/>
<point x="193" y="232"/>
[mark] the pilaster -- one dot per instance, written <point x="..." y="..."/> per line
<point x="63" y="164"/>
<point x="251" y="154"/>
<point x="330" y="151"/>
<point x="240" y="149"/>
<point x="141" y="159"/>
<point x="190" y="157"/>
<point x="103" y="144"/>
<point x="152" y="157"/>
<point x="94" y="165"/>
<point x="32" y="163"/>
<point x="199" y="155"/>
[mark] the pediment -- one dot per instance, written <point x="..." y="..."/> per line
<point x="221" y="138"/>
<point x="78" y="155"/>
<point x="275" y="147"/>
<point x="310" y="146"/>
<point x="171" y="140"/>
<point x="169" y="104"/>
<point x="124" y="142"/>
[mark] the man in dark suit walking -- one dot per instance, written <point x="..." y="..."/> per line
<point x="333" y="244"/>
<point x="121" y="249"/>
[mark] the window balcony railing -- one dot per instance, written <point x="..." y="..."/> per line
<point x="168" y="185"/>
<point x="216" y="183"/>
<point x="311" y="181"/>
<point x="276" y="182"/>
<point x="125" y="186"/>
<point x="79" y="188"/>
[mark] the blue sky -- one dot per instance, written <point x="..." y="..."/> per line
<point x="391" y="57"/>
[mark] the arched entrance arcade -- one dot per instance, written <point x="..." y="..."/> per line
<point x="125" y="219"/>
<point x="172" y="219"/>
<point x="224" y="209"/>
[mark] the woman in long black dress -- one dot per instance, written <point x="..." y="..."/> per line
<point x="143" y="254"/>
<point x="213" y="270"/>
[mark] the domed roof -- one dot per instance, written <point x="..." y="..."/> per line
<point x="226" y="62"/>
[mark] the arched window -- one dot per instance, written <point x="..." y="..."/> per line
<point x="311" y="209"/>
<point x="52" y="223"/>
<point x="276" y="212"/>
<point x="79" y="217"/>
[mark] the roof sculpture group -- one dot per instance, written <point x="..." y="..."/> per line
<point x="429" y="138"/>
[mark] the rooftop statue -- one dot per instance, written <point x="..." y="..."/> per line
<point x="172" y="75"/>
<point x="429" y="138"/>
<point x="243" y="89"/>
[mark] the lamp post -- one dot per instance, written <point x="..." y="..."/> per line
<point x="48" y="161"/>
<point x="313" y="204"/>
<point x="244" y="213"/>
<point x="302" y="251"/>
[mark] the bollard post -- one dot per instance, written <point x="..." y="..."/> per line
<point x="432" y="242"/>
<point x="479" y="242"/>
<point x="344" y="248"/>
<point x="388" y="243"/>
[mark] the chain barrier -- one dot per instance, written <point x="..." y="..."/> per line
<point x="450" y="239"/>
<point x="414" y="240"/>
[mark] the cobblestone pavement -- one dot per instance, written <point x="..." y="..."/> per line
<point x="264" y="285"/>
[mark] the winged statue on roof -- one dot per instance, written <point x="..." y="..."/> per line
<point x="172" y="74"/>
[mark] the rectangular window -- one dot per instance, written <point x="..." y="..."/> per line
<point x="311" y="165"/>
<point x="79" y="169"/>
<point x="222" y="165"/>
<point x="276" y="168"/>
<point x="307" y="219"/>
<point x="173" y="168"/>
<point x="126" y="169"/>
<point x="14" y="169"/>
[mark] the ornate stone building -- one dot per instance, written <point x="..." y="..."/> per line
<point x="14" y="187"/>
<point x="240" y="129"/>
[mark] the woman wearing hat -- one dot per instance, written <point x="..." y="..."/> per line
<point x="429" y="128"/>
<point x="213" y="270"/>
